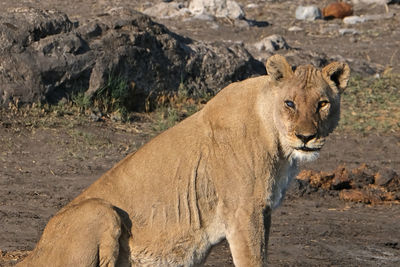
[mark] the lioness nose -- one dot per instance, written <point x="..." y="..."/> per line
<point x="306" y="138"/>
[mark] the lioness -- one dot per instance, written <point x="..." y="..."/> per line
<point x="216" y="175"/>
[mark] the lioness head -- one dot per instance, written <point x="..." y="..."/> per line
<point x="306" y="104"/>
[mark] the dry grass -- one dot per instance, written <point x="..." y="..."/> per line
<point x="171" y="108"/>
<point x="368" y="105"/>
<point x="372" y="105"/>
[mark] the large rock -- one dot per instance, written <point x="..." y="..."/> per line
<point x="25" y="72"/>
<point x="44" y="56"/>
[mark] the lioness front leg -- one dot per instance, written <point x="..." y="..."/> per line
<point x="247" y="236"/>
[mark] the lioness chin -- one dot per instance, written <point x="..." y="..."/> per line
<point x="216" y="175"/>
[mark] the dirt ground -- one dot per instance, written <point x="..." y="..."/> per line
<point x="47" y="160"/>
<point x="47" y="164"/>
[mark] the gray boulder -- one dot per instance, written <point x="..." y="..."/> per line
<point x="308" y="13"/>
<point x="46" y="57"/>
<point x="25" y="72"/>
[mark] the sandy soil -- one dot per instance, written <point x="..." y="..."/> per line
<point x="44" y="165"/>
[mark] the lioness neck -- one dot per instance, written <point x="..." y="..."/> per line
<point x="240" y="122"/>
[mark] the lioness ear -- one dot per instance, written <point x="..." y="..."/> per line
<point x="278" y="68"/>
<point x="338" y="73"/>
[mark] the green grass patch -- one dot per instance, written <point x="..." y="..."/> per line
<point x="372" y="105"/>
<point x="114" y="96"/>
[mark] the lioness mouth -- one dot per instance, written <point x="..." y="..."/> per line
<point x="307" y="149"/>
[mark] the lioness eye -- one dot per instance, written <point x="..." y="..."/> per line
<point x="289" y="103"/>
<point x="322" y="104"/>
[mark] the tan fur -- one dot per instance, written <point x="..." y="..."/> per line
<point x="216" y="175"/>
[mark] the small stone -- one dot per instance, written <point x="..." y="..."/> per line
<point x="295" y="29"/>
<point x="218" y="8"/>
<point x="205" y="17"/>
<point x="166" y="10"/>
<point x="353" y="20"/>
<point x="252" y="5"/>
<point x="358" y="19"/>
<point x="378" y="2"/>
<point x="308" y="13"/>
<point x="271" y="44"/>
<point x="95" y="117"/>
<point x="348" y="32"/>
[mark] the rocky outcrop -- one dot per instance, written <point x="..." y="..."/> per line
<point x="45" y="56"/>
<point x="24" y="73"/>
